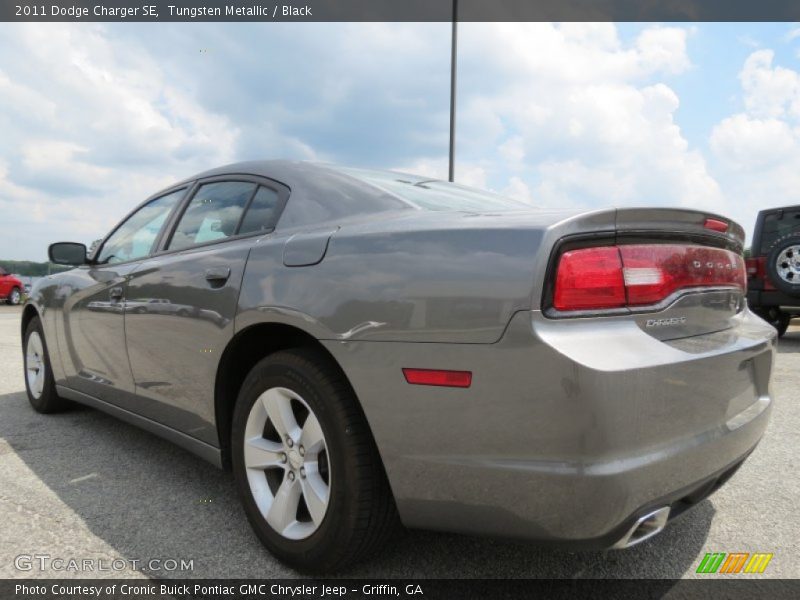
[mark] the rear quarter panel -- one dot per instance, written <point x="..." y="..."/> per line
<point x="424" y="278"/>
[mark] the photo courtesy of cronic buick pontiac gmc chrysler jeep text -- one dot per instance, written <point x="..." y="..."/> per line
<point x="367" y="348"/>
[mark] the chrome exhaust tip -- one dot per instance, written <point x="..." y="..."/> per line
<point x="644" y="528"/>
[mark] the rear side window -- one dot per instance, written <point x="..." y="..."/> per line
<point x="261" y="214"/>
<point x="776" y="226"/>
<point x="213" y="214"/>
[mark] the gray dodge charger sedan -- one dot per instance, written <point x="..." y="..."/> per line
<point x="365" y="349"/>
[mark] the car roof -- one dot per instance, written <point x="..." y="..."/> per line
<point x="320" y="192"/>
<point x="291" y="172"/>
<point x="777" y="208"/>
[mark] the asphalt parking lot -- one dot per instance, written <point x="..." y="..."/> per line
<point x="84" y="485"/>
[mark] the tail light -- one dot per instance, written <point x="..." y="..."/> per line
<point x="753" y="269"/>
<point x="757" y="270"/>
<point x="639" y="275"/>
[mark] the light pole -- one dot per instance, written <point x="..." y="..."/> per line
<point x="453" y="48"/>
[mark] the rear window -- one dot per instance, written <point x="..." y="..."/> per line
<point x="437" y="195"/>
<point x="777" y="225"/>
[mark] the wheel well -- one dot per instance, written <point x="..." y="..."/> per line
<point x="27" y="314"/>
<point x="240" y="356"/>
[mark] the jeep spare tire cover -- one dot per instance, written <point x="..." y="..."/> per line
<point x="783" y="263"/>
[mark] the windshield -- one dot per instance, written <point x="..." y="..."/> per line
<point x="435" y="194"/>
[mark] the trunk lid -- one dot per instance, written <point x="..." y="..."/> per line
<point x="700" y="310"/>
<point x="680" y="224"/>
<point x="695" y="263"/>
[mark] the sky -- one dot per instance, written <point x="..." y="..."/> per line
<point x="94" y="118"/>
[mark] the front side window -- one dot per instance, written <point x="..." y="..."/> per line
<point x="135" y="238"/>
<point x="213" y="214"/>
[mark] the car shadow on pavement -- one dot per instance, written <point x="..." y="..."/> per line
<point x="790" y="342"/>
<point x="148" y="499"/>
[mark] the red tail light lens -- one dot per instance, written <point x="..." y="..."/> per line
<point x="590" y="278"/>
<point x="757" y="269"/>
<point x="752" y="267"/>
<point x="640" y="274"/>
<point x="654" y="272"/>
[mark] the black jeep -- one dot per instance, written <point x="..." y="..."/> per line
<point x="773" y="266"/>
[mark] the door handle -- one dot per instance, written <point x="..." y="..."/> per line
<point x="115" y="293"/>
<point x="218" y="275"/>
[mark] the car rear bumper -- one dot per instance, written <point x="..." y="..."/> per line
<point x="771" y="298"/>
<point x="570" y="430"/>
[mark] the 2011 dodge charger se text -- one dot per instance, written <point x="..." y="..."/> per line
<point x="368" y="348"/>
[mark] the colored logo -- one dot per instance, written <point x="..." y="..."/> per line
<point x="734" y="562"/>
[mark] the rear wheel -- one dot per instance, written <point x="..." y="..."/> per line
<point x="39" y="381"/>
<point x="775" y="317"/>
<point x="306" y="466"/>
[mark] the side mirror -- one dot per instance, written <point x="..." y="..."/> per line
<point x="67" y="253"/>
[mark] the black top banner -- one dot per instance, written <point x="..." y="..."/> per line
<point x="400" y="10"/>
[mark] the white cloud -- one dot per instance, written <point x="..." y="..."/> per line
<point x="749" y="41"/>
<point x="751" y="144"/>
<point x="758" y="149"/>
<point x="571" y="115"/>
<point x="770" y="91"/>
<point x="91" y="127"/>
<point x="518" y="189"/>
<point x="95" y="118"/>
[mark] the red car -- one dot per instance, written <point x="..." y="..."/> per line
<point x="10" y="288"/>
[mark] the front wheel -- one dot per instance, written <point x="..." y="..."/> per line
<point x="15" y="297"/>
<point x="39" y="381"/>
<point x="306" y="465"/>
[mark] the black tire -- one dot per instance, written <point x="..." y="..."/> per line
<point x="14" y="296"/>
<point x="775" y="256"/>
<point x="775" y="317"/>
<point x="782" y="324"/>
<point x="48" y="400"/>
<point x="361" y="514"/>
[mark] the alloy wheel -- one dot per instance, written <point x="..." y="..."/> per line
<point x="787" y="265"/>
<point x="34" y="365"/>
<point x="286" y="461"/>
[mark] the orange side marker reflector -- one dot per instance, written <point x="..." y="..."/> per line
<point x="460" y="379"/>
